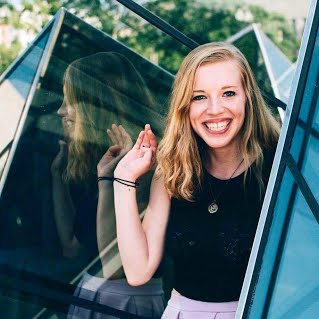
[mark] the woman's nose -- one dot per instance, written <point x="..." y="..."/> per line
<point x="62" y="109"/>
<point x="214" y="105"/>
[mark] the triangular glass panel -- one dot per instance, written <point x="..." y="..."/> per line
<point x="15" y="87"/>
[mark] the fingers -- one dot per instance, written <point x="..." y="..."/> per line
<point x="115" y="135"/>
<point x="148" y="155"/>
<point x="114" y="150"/>
<point x="139" y="141"/>
<point x="146" y="139"/>
<point x="112" y="136"/>
<point x="126" y="138"/>
<point x="151" y="136"/>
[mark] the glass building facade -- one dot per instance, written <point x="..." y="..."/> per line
<point x="51" y="239"/>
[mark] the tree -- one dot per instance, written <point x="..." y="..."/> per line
<point x="201" y="20"/>
<point x="7" y="55"/>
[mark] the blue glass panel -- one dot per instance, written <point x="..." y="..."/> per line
<point x="312" y="86"/>
<point x="295" y="293"/>
<point x="310" y="168"/>
<point x="284" y="83"/>
<point x="297" y="142"/>
<point x="273" y="242"/>
<point x="315" y="123"/>
<point x="278" y="61"/>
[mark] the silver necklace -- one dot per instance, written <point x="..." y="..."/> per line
<point x="213" y="206"/>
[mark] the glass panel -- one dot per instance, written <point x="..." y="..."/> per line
<point x="295" y="293"/>
<point x="261" y="286"/>
<point x="297" y="142"/>
<point x="311" y="88"/>
<point x="14" y="90"/>
<point x="310" y="168"/>
<point x="49" y="203"/>
<point x="249" y="45"/>
<point x="130" y="29"/>
<point x="278" y="61"/>
<point x="286" y="284"/>
<point x="284" y="83"/>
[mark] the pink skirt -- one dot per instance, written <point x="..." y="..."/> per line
<point x="180" y="307"/>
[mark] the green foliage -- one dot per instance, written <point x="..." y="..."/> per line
<point x="201" y="20"/>
<point x="8" y="54"/>
<point x="189" y="17"/>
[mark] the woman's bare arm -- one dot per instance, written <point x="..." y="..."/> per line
<point x="141" y="246"/>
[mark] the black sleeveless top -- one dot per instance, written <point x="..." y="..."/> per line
<point x="210" y="252"/>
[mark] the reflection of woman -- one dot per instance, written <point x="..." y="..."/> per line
<point x="213" y="166"/>
<point x="98" y="90"/>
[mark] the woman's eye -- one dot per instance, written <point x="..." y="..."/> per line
<point x="229" y="93"/>
<point x="198" y="97"/>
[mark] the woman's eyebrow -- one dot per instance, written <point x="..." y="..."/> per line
<point x="229" y="86"/>
<point x="197" y="91"/>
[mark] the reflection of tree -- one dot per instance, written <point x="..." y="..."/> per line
<point x="202" y="21"/>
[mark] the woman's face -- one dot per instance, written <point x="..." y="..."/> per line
<point x="217" y="108"/>
<point x="68" y="114"/>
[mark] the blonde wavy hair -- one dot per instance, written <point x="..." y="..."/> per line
<point x="181" y="153"/>
<point x="103" y="88"/>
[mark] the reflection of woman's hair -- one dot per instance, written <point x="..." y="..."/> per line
<point x="181" y="163"/>
<point x="104" y="88"/>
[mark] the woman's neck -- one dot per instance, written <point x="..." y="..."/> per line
<point x="224" y="164"/>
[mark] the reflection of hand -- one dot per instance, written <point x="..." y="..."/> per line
<point x="140" y="158"/>
<point x="122" y="143"/>
<point x="60" y="161"/>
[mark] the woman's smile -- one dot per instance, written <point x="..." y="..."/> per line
<point x="217" y="108"/>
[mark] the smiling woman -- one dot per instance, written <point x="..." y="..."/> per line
<point x="217" y="109"/>
<point x="213" y="164"/>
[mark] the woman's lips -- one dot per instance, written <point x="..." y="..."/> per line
<point x="67" y="122"/>
<point x="217" y="126"/>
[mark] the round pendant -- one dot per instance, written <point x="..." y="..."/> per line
<point x="213" y="208"/>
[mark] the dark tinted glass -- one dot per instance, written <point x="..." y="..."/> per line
<point x="94" y="93"/>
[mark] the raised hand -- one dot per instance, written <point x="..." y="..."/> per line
<point x="122" y="143"/>
<point x="140" y="158"/>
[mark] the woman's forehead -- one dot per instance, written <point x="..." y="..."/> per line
<point x="222" y="73"/>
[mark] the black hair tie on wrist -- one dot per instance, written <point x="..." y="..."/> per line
<point x="119" y="180"/>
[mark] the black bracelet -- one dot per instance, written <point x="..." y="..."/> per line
<point x="126" y="183"/>
<point x="119" y="180"/>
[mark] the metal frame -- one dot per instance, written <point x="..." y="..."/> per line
<point x="282" y="158"/>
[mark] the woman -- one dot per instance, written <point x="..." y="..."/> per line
<point x="213" y="167"/>
<point x="99" y="90"/>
